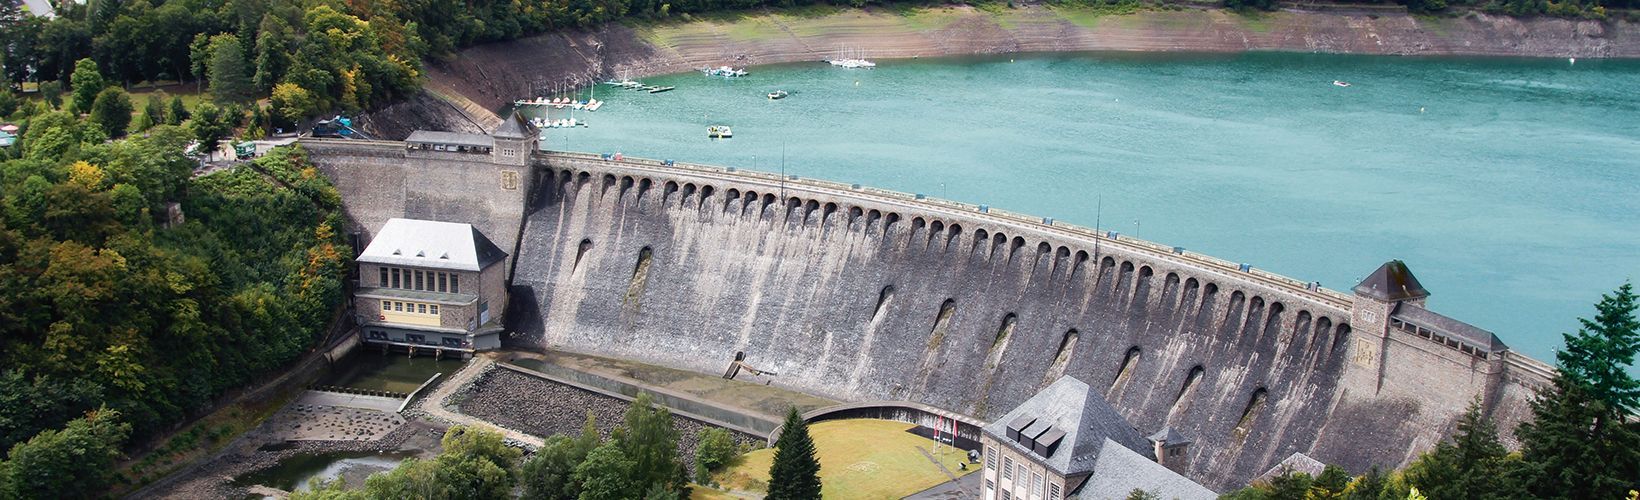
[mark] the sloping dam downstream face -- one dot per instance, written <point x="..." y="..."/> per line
<point x="861" y="296"/>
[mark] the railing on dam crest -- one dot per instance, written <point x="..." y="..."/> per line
<point x="1155" y="250"/>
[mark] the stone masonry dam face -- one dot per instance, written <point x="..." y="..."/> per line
<point x="857" y="295"/>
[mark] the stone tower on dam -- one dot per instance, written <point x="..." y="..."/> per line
<point x="861" y="294"/>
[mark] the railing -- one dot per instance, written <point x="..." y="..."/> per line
<point x="1154" y="250"/>
<point x="1525" y="365"/>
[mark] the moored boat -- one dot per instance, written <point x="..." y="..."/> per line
<point x="778" y="94"/>
<point x="719" y="132"/>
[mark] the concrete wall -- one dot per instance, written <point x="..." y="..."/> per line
<point x="860" y="294"/>
<point x="845" y="292"/>
<point x="380" y="180"/>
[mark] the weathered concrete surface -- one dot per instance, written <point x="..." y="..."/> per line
<point x="493" y="75"/>
<point x="856" y="294"/>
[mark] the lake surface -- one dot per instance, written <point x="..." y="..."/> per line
<point x="1508" y="186"/>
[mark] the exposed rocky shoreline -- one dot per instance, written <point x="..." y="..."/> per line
<point x="463" y="91"/>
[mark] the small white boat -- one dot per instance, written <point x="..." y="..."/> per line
<point x="719" y="132"/>
<point x="1341" y="83"/>
<point x="724" y="71"/>
<point x="778" y="94"/>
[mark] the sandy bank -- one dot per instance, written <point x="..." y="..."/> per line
<point x="493" y="75"/>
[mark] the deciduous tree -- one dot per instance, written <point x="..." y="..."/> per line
<point x="112" y="111"/>
<point x="87" y="83"/>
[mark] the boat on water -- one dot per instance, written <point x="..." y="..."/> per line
<point x="718" y="132"/>
<point x="657" y="90"/>
<point x="851" y="60"/>
<point x="1341" y="83"/>
<point x="778" y="94"/>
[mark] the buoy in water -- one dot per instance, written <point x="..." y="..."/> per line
<point x="1571" y="60"/>
<point x="1420" y="109"/>
<point x="856" y="83"/>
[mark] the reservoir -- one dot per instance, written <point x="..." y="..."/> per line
<point x="1507" y="185"/>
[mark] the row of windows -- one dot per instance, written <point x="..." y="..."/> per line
<point x="1008" y="471"/>
<point x="1438" y="338"/>
<point x="409" y="307"/>
<point x="430" y="281"/>
<point x="448" y="147"/>
<point x="414" y="338"/>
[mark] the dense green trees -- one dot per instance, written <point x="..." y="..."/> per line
<point x="87" y="82"/>
<point x="715" y="450"/>
<point x="550" y="474"/>
<point x="474" y="464"/>
<point x="76" y="462"/>
<point x="106" y="299"/>
<point x="795" y="473"/>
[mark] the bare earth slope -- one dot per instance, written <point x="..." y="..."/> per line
<point x="493" y="75"/>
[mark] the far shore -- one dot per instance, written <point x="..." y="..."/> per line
<point x="463" y="91"/>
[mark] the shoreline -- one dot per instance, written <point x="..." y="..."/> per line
<point x="462" y="93"/>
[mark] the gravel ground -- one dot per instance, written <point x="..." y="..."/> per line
<point x="545" y="408"/>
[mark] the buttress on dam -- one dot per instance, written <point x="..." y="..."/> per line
<point x="861" y="295"/>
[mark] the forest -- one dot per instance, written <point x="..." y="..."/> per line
<point x="133" y="292"/>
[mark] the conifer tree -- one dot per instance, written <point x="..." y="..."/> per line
<point x="1581" y="441"/>
<point x="795" y="473"/>
<point x="178" y="112"/>
<point x="1471" y="465"/>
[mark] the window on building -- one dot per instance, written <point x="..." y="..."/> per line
<point x="396" y="278"/>
<point x="1036" y="485"/>
<point x="432" y="309"/>
<point x="1007" y="468"/>
<point x="443" y="282"/>
<point x="455" y="283"/>
<point x="1005" y="495"/>
<point x="383" y="276"/>
<point x="418" y="280"/>
<point x="1053" y="491"/>
<point x="387" y="306"/>
<point x="398" y="307"/>
<point x="421" y="308"/>
<point x="990" y="458"/>
<point x="990" y="485"/>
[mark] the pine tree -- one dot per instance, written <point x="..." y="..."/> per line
<point x="1472" y="465"/>
<point x="795" y="473"/>
<point x="1599" y="355"/>
<point x="178" y="112"/>
<point x="1581" y="442"/>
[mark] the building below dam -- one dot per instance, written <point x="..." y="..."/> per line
<point x="859" y="294"/>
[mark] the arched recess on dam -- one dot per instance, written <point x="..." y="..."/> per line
<point x="862" y="295"/>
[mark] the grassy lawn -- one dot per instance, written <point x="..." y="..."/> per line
<point x="858" y="459"/>
<point x="139" y="99"/>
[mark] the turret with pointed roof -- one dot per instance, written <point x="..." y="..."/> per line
<point x="1392" y="282"/>
<point x="515" y="140"/>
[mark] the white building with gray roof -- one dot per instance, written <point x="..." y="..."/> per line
<point x="1068" y="442"/>
<point x="430" y="286"/>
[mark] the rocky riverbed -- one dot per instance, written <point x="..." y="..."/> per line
<point x="544" y="408"/>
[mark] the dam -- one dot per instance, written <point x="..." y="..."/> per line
<point x="860" y="294"/>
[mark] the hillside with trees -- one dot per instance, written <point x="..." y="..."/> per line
<point x="133" y="293"/>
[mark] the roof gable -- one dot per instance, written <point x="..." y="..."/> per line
<point x="1077" y="419"/>
<point x="515" y="127"/>
<point x="431" y="244"/>
<point x="1392" y="282"/>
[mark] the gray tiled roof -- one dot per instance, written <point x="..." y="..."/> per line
<point x="1119" y="471"/>
<point x="1087" y="420"/>
<point x="515" y="127"/>
<point x="1391" y="282"/>
<point x="1448" y="327"/>
<point x="1169" y="435"/>
<point x="1296" y="462"/>
<point x="456" y="138"/>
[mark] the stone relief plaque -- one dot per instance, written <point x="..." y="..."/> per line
<point x="509" y="180"/>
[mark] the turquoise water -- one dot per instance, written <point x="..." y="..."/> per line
<point x="1508" y="186"/>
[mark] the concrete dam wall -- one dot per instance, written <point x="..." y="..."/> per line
<point x="860" y="295"/>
